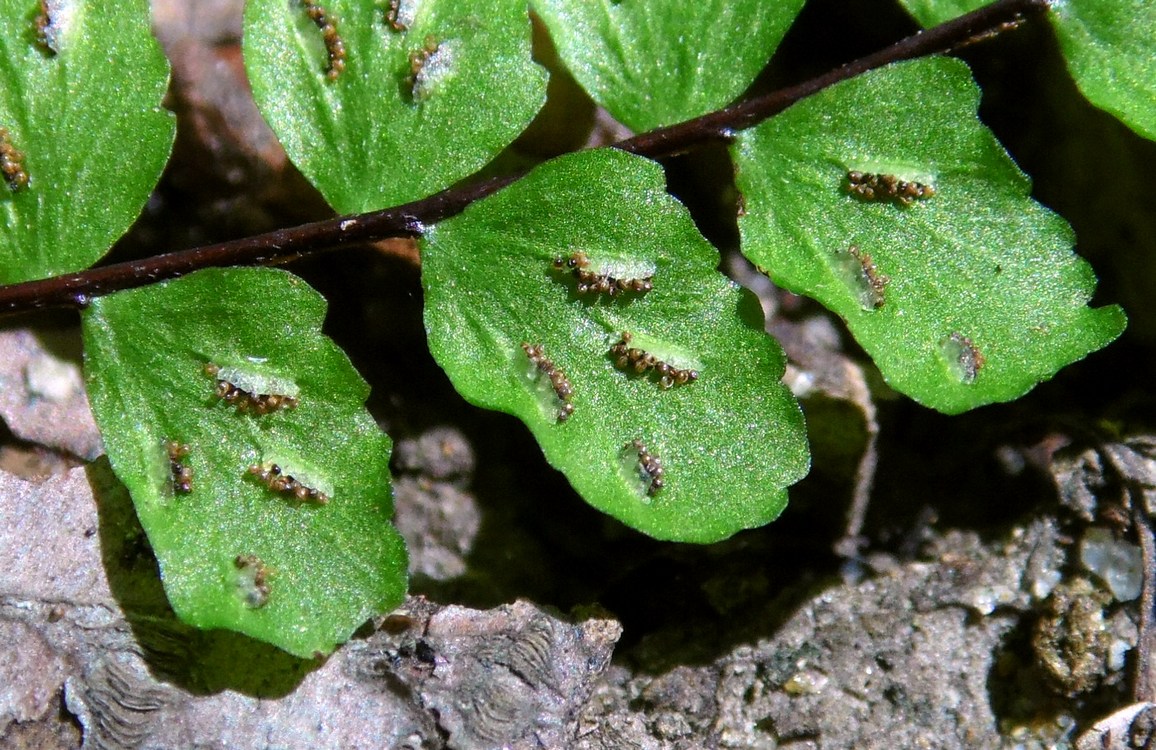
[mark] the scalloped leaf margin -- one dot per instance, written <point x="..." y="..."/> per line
<point x="657" y="62"/>
<point x="728" y="443"/>
<point x="963" y="298"/>
<point x="1109" y="46"/>
<point x="236" y="551"/>
<point x="80" y="109"/>
<point x="413" y="108"/>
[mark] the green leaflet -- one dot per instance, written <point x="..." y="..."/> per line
<point x="80" y="102"/>
<point x="1109" y="45"/>
<point x="377" y="133"/>
<point x="234" y="552"/>
<point x="728" y="443"/>
<point x="962" y="299"/>
<point x="657" y="62"/>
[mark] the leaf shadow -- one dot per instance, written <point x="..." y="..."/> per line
<point x="203" y="662"/>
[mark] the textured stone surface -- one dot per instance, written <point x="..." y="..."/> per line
<point x="903" y="659"/>
<point x="42" y="396"/>
<point x="86" y="633"/>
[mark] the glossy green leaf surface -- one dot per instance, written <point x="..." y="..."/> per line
<point x="327" y="567"/>
<point x="412" y="110"/>
<point x="728" y="443"/>
<point x="935" y="12"/>
<point x="1109" y="45"/>
<point x="80" y="107"/>
<point x="964" y="298"/>
<point x="657" y="62"/>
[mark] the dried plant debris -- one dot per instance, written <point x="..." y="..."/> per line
<point x="835" y="394"/>
<point x="1098" y="481"/>
<point x="852" y="664"/>
<point x="1071" y="639"/>
<point x="440" y="523"/>
<point x="109" y="671"/>
<point x="441" y="453"/>
<point x="117" y="701"/>
<point x="435" y="513"/>
<point x="902" y="656"/>
<point x="1115" y="561"/>
<point x="1129" y="728"/>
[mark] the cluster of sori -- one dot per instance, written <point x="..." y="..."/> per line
<point x="283" y="484"/>
<point x="599" y="283"/>
<point x="649" y="468"/>
<point x="12" y="163"/>
<point x="887" y="187"/>
<point x="558" y="379"/>
<point x="44" y="30"/>
<point x="181" y="475"/>
<point x="246" y="402"/>
<point x="334" y="44"/>
<point x="391" y="19"/>
<point x="627" y="357"/>
<point x="876" y="281"/>
<point x="254" y="570"/>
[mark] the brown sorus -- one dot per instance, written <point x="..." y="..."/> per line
<point x="650" y="467"/>
<point x="558" y="380"/>
<point x="276" y="480"/>
<point x="640" y="361"/>
<point x="334" y="44"/>
<point x="870" y="186"/>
